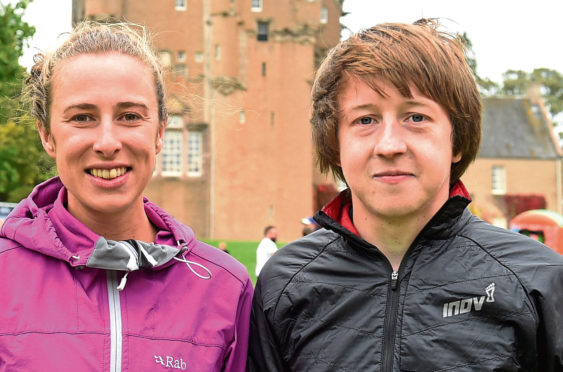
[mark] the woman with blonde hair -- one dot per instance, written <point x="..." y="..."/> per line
<point x="94" y="276"/>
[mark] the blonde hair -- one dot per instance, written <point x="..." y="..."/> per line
<point x="405" y="55"/>
<point x="92" y="38"/>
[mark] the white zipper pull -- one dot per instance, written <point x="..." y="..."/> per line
<point x="394" y="280"/>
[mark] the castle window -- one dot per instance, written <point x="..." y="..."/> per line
<point x="195" y="154"/>
<point x="263" y="30"/>
<point x="324" y="15"/>
<point x="180" y="4"/>
<point x="172" y="153"/>
<point x="165" y="58"/>
<point x="256" y="5"/>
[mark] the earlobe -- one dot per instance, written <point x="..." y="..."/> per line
<point x="159" y="138"/>
<point x="456" y="158"/>
<point x="46" y="140"/>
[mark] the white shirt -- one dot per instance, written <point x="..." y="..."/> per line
<point x="265" y="250"/>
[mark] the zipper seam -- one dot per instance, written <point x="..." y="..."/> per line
<point x="114" y="304"/>
<point x="390" y="324"/>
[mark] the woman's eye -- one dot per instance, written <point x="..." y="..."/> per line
<point x="417" y="118"/>
<point x="82" y="118"/>
<point x="366" y="120"/>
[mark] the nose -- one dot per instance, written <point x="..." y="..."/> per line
<point x="391" y="139"/>
<point x="107" y="142"/>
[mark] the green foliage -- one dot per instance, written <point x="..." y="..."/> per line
<point x="14" y="35"/>
<point x="23" y="163"/>
<point x="486" y="86"/>
<point x="516" y="82"/>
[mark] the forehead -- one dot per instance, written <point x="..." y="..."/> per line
<point x="355" y="89"/>
<point x="85" y="72"/>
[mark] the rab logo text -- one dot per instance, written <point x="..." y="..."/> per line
<point x="467" y="304"/>
<point x="170" y="362"/>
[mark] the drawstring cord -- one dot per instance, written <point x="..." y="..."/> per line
<point x="153" y="262"/>
<point x="123" y="281"/>
<point x="189" y="263"/>
<point x="132" y="265"/>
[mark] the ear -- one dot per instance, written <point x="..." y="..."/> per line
<point x="160" y="135"/>
<point x="457" y="157"/>
<point x="46" y="140"/>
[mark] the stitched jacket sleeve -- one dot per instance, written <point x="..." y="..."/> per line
<point x="236" y="356"/>
<point x="540" y="270"/>
<point x="265" y="353"/>
<point x="547" y="293"/>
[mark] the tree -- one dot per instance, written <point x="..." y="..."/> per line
<point x="23" y="163"/>
<point x="550" y="82"/>
<point x="486" y="86"/>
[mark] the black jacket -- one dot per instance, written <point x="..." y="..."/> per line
<point x="468" y="296"/>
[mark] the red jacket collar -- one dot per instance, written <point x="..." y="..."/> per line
<point x="339" y="207"/>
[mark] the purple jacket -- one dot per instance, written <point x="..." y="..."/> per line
<point x="184" y="307"/>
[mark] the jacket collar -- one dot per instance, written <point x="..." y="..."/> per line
<point x="43" y="224"/>
<point x="336" y="215"/>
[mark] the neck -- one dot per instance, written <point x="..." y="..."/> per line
<point x="391" y="235"/>
<point x="130" y="224"/>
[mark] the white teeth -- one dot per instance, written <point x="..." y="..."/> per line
<point x="108" y="174"/>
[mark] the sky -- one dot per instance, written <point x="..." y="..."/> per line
<point x="506" y="34"/>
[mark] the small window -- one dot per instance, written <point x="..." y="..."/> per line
<point x="198" y="56"/>
<point x="263" y="30"/>
<point x="242" y="117"/>
<point x="165" y="58"/>
<point x="181" y="56"/>
<point x="256" y="5"/>
<point x="175" y="122"/>
<point x="217" y="52"/>
<point x="263" y="68"/>
<point x="172" y="153"/>
<point x="195" y="150"/>
<point x="180" y="4"/>
<point x="324" y="15"/>
<point x="498" y="180"/>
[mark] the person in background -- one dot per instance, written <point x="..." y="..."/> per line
<point x="223" y="247"/>
<point x="266" y="248"/>
<point x="93" y="276"/>
<point x="309" y="225"/>
<point x="403" y="277"/>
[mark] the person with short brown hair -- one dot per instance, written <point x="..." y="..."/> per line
<point x="401" y="276"/>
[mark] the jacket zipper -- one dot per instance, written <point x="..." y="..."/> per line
<point x="115" y="322"/>
<point x="390" y="323"/>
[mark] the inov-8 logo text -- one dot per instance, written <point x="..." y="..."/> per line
<point x="465" y="305"/>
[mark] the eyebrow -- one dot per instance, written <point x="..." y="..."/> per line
<point x="80" y="106"/>
<point x="120" y="105"/>
<point x="410" y="103"/>
<point x="124" y="105"/>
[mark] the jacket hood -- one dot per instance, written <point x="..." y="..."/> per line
<point x="41" y="223"/>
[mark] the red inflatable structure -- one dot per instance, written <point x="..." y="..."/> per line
<point x="541" y="224"/>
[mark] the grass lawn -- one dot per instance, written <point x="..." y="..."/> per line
<point x="243" y="251"/>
